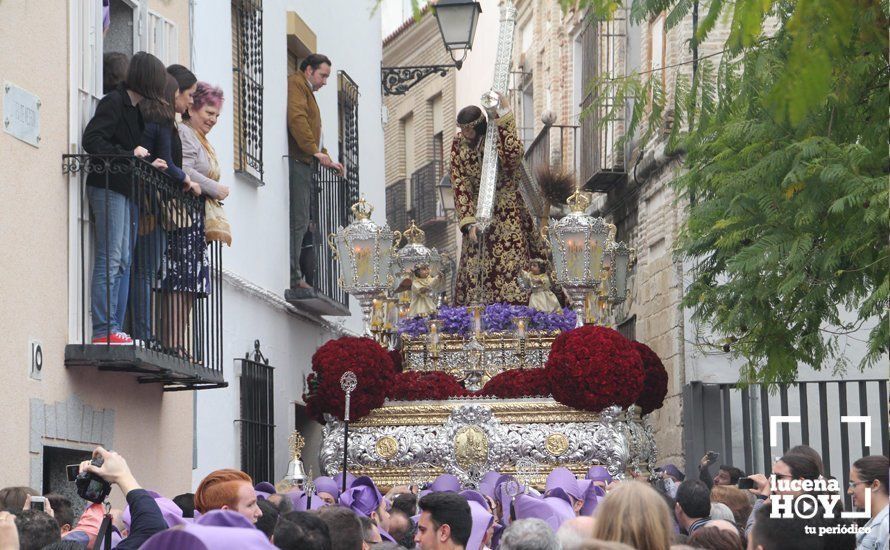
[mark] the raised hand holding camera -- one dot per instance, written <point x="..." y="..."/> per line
<point x="35" y="502"/>
<point x="106" y="467"/>
<point x="90" y="486"/>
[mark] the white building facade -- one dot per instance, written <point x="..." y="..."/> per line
<point x="228" y="40"/>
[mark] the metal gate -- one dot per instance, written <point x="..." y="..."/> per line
<point x="737" y="422"/>
<point x="257" y="417"/>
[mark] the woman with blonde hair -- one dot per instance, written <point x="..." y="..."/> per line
<point x="635" y="514"/>
<point x="735" y="499"/>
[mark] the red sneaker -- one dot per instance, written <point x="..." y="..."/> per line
<point x="115" y="339"/>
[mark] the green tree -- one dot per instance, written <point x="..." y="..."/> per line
<point x="785" y="180"/>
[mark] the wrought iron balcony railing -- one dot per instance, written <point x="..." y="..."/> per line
<point x="398" y="212"/>
<point x="553" y="148"/>
<point x="604" y="58"/>
<point x="155" y="278"/>
<point x="424" y="196"/>
<point x="331" y="197"/>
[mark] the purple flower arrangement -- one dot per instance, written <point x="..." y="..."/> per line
<point x="495" y="318"/>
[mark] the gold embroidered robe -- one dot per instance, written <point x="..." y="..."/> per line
<point x="511" y="240"/>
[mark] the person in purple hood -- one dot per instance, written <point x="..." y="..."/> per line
<point x="327" y="489"/>
<point x="562" y="484"/>
<point x="364" y="499"/>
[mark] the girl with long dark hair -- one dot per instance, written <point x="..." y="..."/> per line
<point x="160" y="212"/>
<point x="115" y="131"/>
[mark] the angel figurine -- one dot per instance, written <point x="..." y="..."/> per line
<point x="424" y="288"/>
<point x="542" y="298"/>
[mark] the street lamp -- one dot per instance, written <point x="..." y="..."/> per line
<point x="446" y="195"/>
<point x="457" y="24"/>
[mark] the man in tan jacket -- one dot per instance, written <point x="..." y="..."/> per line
<point x="304" y="126"/>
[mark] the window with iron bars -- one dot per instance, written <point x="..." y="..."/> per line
<point x="603" y="59"/>
<point x="628" y="328"/>
<point x="439" y="163"/>
<point x="257" y="416"/>
<point x="247" y="87"/>
<point x="347" y="99"/>
<point x="424" y="199"/>
<point x="397" y="214"/>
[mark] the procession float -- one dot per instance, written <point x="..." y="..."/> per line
<point x="433" y="388"/>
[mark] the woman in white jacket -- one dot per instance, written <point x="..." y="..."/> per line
<point x="868" y="486"/>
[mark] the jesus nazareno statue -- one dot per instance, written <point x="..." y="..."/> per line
<point x="491" y="263"/>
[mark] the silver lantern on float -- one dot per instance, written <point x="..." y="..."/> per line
<point x="364" y="251"/>
<point x="415" y="253"/>
<point x="623" y="259"/>
<point x="579" y="244"/>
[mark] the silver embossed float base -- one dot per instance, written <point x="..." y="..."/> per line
<point x="468" y="437"/>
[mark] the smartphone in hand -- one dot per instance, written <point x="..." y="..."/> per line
<point x="72" y="470"/>
<point x="746" y="483"/>
<point x="38" y="503"/>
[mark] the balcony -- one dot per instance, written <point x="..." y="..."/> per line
<point x="331" y="198"/>
<point x="604" y="59"/>
<point x="173" y="293"/>
<point x="398" y="213"/>
<point x="425" y="206"/>
<point x="552" y="149"/>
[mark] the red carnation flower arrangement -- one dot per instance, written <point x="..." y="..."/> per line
<point x="372" y="366"/>
<point x="593" y="368"/>
<point x="514" y="383"/>
<point x="397" y="362"/>
<point x="655" y="383"/>
<point x="417" y="386"/>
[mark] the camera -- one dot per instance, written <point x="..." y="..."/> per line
<point x="712" y="456"/>
<point x="746" y="483"/>
<point x="90" y="486"/>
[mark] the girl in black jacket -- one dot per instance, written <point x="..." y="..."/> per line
<point x="162" y="139"/>
<point x="115" y="132"/>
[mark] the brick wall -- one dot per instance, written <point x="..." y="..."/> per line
<point x="658" y="285"/>
<point x="419" y="43"/>
<point x="646" y="212"/>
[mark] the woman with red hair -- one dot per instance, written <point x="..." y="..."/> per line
<point x="228" y="490"/>
<point x="186" y="262"/>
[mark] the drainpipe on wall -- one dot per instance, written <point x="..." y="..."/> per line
<point x="681" y="326"/>
<point x="192" y="34"/>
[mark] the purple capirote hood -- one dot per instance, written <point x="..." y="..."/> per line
<point x="208" y="537"/>
<point x="482" y="520"/>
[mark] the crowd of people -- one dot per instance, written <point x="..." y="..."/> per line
<point x="151" y="263"/>
<point x="661" y="512"/>
<point x="161" y="115"/>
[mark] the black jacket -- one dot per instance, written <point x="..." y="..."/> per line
<point x="145" y="519"/>
<point x="115" y="129"/>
